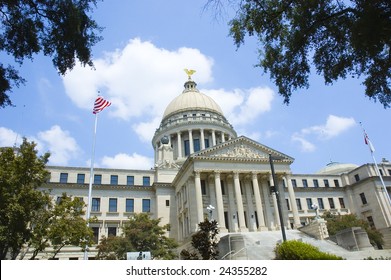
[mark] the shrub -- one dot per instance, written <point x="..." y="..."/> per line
<point x="297" y="250"/>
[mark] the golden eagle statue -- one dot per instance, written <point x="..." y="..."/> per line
<point x="189" y="72"/>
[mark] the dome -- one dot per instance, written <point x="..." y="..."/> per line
<point x="336" y="168"/>
<point x="191" y="99"/>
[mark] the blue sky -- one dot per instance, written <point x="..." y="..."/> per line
<point x="139" y="68"/>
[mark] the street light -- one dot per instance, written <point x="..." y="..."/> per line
<point x="277" y="192"/>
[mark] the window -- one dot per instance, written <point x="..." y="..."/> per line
<point x="167" y="203"/>
<point x="287" y="204"/>
<point x="95" y="231"/>
<point x="81" y="178"/>
<point x="326" y="183"/>
<point x="320" y="203"/>
<point x="146" y="181"/>
<point x="206" y="141"/>
<point x="389" y="172"/>
<point x="316" y="183"/>
<point x="331" y="202"/>
<point x="371" y="222"/>
<point x="185" y="117"/>
<point x="97" y="179"/>
<point x="305" y="183"/>
<point x="95" y="206"/>
<point x="341" y="202"/>
<point x="130" y="180"/>
<point x="363" y="198"/>
<point x="129" y="205"/>
<point x="146" y="205"/>
<point x="309" y="203"/>
<point x="114" y="179"/>
<point x="196" y="143"/>
<point x="63" y="178"/>
<point x="187" y="147"/>
<point x="336" y="183"/>
<point x="294" y="184"/>
<point x="381" y="172"/>
<point x="298" y="203"/>
<point x="111" y="231"/>
<point x="222" y="187"/>
<point x="357" y="177"/>
<point x="112" y="205"/>
<point x="203" y="187"/>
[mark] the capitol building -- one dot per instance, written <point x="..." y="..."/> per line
<point x="199" y="161"/>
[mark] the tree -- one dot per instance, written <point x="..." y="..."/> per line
<point x="340" y="38"/>
<point x="59" y="224"/>
<point x="140" y="233"/>
<point x="336" y="223"/>
<point x="204" y="241"/>
<point x="62" y="30"/>
<point x="22" y="171"/>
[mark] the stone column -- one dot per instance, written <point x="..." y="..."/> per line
<point x="213" y="137"/>
<point x="219" y="203"/>
<point x="179" y="145"/>
<point x="239" y="203"/>
<point x="198" y="192"/>
<point x="252" y="225"/>
<point x="292" y="197"/>
<point x="258" y="203"/>
<point x="222" y="137"/>
<point x="191" y="144"/>
<point x="202" y="139"/>
<point x="233" y="226"/>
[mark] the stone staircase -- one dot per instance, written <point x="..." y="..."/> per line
<point x="260" y="246"/>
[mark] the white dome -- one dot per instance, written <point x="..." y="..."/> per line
<point x="336" y="168"/>
<point x="191" y="99"/>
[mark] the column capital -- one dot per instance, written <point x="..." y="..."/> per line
<point x="197" y="173"/>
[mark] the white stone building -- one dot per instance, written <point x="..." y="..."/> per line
<point x="200" y="161"/>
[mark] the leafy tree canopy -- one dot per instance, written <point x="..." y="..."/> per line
<point x="61" y="29"/>
<point x="340" y="38"/>
<point x="140" y="233"/>
<point x="22" y="171"/>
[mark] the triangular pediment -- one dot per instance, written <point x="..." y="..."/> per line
<point x="241" y="148"/>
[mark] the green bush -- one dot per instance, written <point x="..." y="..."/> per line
<point x="297" y="250"/>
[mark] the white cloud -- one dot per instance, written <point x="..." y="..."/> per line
<point x="333" y="127"/>
<point x="125" y="161"/>
<point x="59" y="143"/>
<point x="146" y="130"/>
<point x="8" y="137"/>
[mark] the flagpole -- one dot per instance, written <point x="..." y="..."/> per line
<point x="90" y="184"/>
<point x="371" y="149"/>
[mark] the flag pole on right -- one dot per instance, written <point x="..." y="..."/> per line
<point x="372" y="150"/>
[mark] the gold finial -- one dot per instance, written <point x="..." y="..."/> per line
<point x="189" y="72"/>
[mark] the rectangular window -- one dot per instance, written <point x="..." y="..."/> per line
<point x="97" y="179"/>
<point x="341" y="202"/>
<point x="294" y="184"/>
<point x="81" y="178"/>
<point x="389" y="172"/>
<point x="371" y="222"/>
<point x="95" y="206"/>
<point x="146" y="205"/>
<point x="206" y="142"/>
<point x="203" y="187"/>
<point x="316" y="183"/>
<point x="196" y="143"/>
<point x="320" y="203"/>
<point x="326" y="183"/>
<point x="363" y="198"/>
<point x="146" y="181"/>
<point x="298" y="203"/>
<point x="222" y="187"/>
<point x="357" y="177"/>
<point x="187" y="147"/>
<point x="381" y="172"/>
<point x="111" y="231"/>
<point x="114" y="180"/>
<point x="336" y="183"/>
<point x="129" y="207"/>
<point x="130" y="180"/>
<point x="309" y="203"/>
<point x="331" y="202"/>
<point x="167" y="203"/>
<point x="95" y="231"/>
<point x="113" y="204"/>
<point x="63" y="178"/>
<point x="305" y="183"/>
<point x="287" y="204"/>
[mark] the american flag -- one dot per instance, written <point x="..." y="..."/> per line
<point x="368" y="142"/>
<point x="100" y="104"/>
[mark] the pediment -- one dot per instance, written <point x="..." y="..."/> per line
<point x="241" y="148"/>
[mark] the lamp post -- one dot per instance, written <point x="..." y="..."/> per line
<point x="277" y="192"/>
